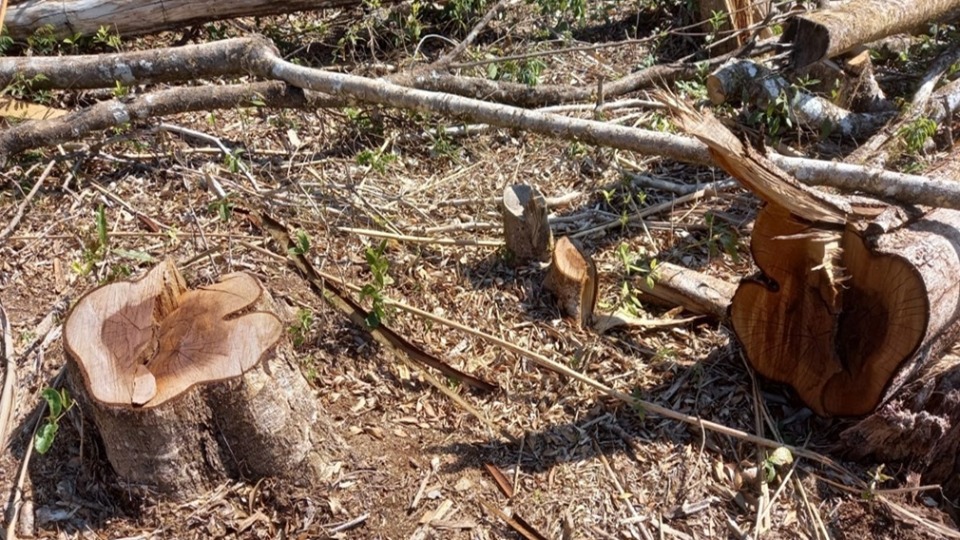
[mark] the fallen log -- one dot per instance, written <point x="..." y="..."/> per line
<point x="829" y="32"/>
<point x="133" y="17"/>
<point x="850" y="301"/>
<point x="183" y="386"/>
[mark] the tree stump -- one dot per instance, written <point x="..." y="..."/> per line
<point x="526" y="231"/>
<point x="850" y="300"/>
<point x="188" y="388"/>
<point x="572" y="278"/>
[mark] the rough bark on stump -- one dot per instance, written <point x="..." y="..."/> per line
<point x="525" y="227"/>
<point x="572" y="278"/>
<point x="826" y="33"/>
<point x="184" y="388"/>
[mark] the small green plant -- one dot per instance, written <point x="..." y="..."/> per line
<point x="377" y="160"/>
<point x="43" y="41"/>
<point x="300" y="329"/>
<point x="776" y="115"/>
<point x="107" y="38"/>
<point x="636" y="263"/>
<point x="59" y="404"/>
<point x="722" y="239"/>
<point x="526" y="72"/>
<point x="302" y="244"/>
<point x="379" y="281"/>
<point x="779" y="458"/>
<point x="877" y="477"/>
<point x="96" y="249"/>
<point x="223" y="208"/>
<point x="5" y="40"/>
<point x="717" y="20"/>
<point x="916" y="133"/>
<point x="233" y="160"/>
<point x="119" y="90"/>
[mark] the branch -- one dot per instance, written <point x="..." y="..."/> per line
<point x="258" y="56"/>
<point x="132" y="17"/>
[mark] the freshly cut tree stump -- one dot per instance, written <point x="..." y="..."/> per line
<point x="850" y="300"/>
<point x="185" y="388"/>
<point x="572" y="278"/>
<point x="525" y="227"/>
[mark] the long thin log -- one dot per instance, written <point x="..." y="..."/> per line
<point x="260" y="58"/>
<point x="132" y="17"/>
<point x="829" y="32"/>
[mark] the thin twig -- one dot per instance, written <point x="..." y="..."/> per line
<point x="422" y="239"/>
<point x="8" y="397"/>
<point x="26" y="201"/>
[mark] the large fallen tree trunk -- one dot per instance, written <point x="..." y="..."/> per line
<point x="132" y="17"/>
<point x="850" y="300"/>
<point x="829" y="32"/>
<point x="184" y="389"/>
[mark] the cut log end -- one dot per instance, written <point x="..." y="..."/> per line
<point x="142" y="343"/>
<point x="572" y="278"/>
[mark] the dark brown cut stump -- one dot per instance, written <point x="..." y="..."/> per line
<point x="188" y="388"/>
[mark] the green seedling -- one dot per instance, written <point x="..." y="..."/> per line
<point x="59" y="404"/>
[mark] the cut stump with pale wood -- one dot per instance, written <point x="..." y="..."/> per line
<point x="188" y="388"/>
<point x="572" y="278"/>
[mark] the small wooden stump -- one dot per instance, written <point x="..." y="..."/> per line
<point x="179" y="385"/>
<point x="525" y="226"/>
<point x="572" y="278"/>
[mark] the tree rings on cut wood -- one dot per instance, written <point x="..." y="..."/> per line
<point x="525" y="227"/>
<point x="847" y="316"/>
<point x="189" y="387"/>
<point x="572" y="278"/>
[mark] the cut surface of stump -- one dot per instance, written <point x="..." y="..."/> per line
<point x="525" y="227"/>
<point x="572" y="278"/>
<point x="850" y="301"/>
<point x="178" y="385"/>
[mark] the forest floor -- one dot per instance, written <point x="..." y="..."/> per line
<point x="580" y="464"/>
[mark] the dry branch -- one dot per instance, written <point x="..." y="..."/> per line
<point x="829" y="32"/>
<point x="264" y="61"/>
<point x="694" y="291"/>
<point x="132" y="17"/>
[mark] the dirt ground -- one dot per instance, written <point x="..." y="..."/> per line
<point x="417" y="465"/>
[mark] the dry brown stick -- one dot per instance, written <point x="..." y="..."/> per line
<point x="8" y="396"/>
<point x="449" y="57"/>
<point x="12" y="226"/>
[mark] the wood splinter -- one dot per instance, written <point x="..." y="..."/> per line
<point x="572" y="278"/>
